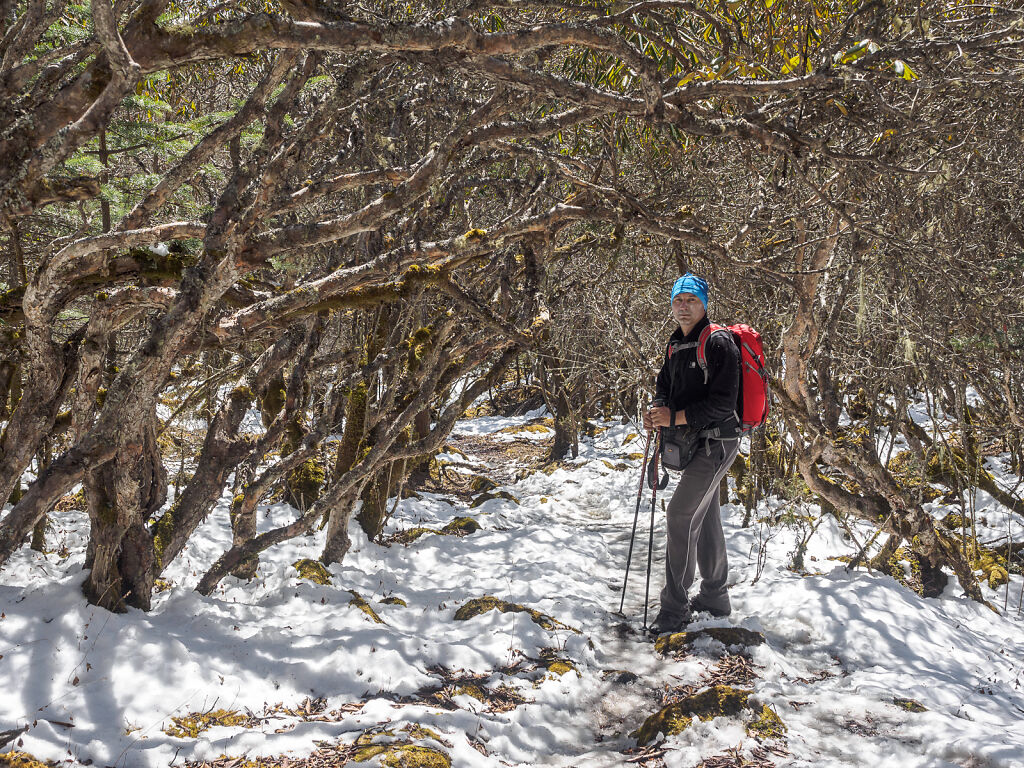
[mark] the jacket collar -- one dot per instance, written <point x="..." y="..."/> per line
<point x="694" y="335"/>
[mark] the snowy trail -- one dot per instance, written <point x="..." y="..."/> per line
<point x="841" y="647"/>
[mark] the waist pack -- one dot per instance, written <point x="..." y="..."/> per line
<point x="678" y="446"/>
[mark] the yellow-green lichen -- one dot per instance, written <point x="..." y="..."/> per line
<point x="717" y="701"/>
<point x="22" y="760"/>
<point x="954" y="521"/>
<point x="414" y="756"/>
<point x="910" y="705"/>
<point x="555" y="664"/>
<point x="359" y="602"/>
<point x="536" y="429"/>
<point x="907" y="470"/>
<point x="767" y="725"/>
<point x="560" y="667"/>
<point x="993" y="565"/>
<point x="395" y="601"/>
<point x="163" y="532"/>
<point x="615" y="467"/>
<point x="471" y="689"/>
<point x="481" y="605"/>
<point x="190" y="726"/>
<point x="312" y="570"/>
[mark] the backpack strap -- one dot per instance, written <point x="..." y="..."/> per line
<point x="702" y="343"/>
<point x="679" y="346"/>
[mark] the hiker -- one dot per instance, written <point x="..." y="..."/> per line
<point x="692" y="403"/>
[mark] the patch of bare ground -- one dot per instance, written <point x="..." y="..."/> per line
<point x="646" y="757"/>
<point x="760" y="757"/>
<point x="325" y="756"/>
<point x="731" y="669"/>
<point x="501" y="461"/>
<point x="459" y="682"/>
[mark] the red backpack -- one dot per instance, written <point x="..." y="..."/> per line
<point x="752" y="400"/>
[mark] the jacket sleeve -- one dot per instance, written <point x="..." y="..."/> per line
<point x="663" y="384"/>
<point x="723" y="384"/>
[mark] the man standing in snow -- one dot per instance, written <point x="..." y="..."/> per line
<point x="687" y="399"/>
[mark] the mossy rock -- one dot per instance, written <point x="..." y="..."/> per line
<point x="460" y="526"/>
<point x="717" y="701"/>
<point x="22" y="760"/>
<point x="190" y="726"/>
<point x="410" y="535"/>
<point x="481" y="605"/>
<point x="417" y="731"/>
<point x="400" y="753"/>
<point x="615" y="467"/>
<point x="630" y="438"/>
<point x="395" y="601"/>
<point x="312" y="570"/>
<point x="414" y="756"/>
<point x="367" y="737"/>
<point x="480" y="484"/>
<point x="727" y="636"/>
<point x="488" y="496"/>
<point x="767" y="725"/>
<point x="620" y="676"/>
<point x="306" y="483"/>
<point x="463" y="526"/>
<point x="359" y="602"/>
<point x="590" y="429"/>
<point x="634" y="456"/>
<point x="910" y="705"/>
<point x="403" y="755"/>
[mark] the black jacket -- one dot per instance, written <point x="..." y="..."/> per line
<point x="681" y="383"/>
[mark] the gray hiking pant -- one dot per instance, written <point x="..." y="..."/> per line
<point x="695" y="536"/>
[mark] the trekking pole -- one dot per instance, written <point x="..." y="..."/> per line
<point x="650" y="537"/>
<point x="636" y="517"/>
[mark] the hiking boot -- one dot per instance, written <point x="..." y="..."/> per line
<point x="699" y="606"/>
<point x="666" y="623"/>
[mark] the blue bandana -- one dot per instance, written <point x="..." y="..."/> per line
<point x="690" y="283"/>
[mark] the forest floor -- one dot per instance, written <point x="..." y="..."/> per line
<point x="381" y="667"/>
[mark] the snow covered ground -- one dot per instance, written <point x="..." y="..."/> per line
<point x="842" y="649"/>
